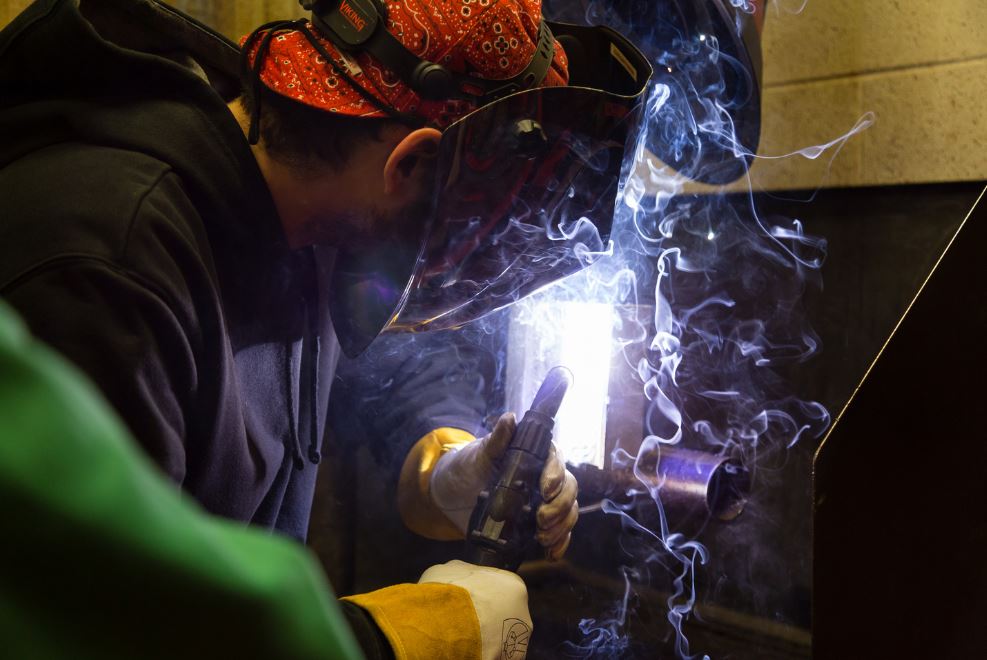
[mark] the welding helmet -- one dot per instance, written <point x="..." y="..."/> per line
<point x="525" y="181"/>
<point x="707" y="60"/>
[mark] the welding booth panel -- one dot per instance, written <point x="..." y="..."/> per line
<point x="900" y="528"/>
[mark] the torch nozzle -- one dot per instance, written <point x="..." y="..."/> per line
<point x="552" y="390"/>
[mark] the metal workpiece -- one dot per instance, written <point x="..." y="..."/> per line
<point x="689" y="484"/>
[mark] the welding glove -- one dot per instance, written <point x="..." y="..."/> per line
<point x="445" y="472"/>
<point x="500" y="599"/>
<point x="456" y="611"/>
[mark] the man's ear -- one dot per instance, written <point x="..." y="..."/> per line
<point x="399" y="170"/>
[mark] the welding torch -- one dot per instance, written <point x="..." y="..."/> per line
<point x="502" y="526"/>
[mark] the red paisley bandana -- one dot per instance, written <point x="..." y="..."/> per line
<point x="493" y="39"/>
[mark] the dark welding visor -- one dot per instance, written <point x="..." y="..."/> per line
<point x="525" y="193"/>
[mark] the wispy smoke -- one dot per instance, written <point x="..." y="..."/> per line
<point x="726" y="286"/>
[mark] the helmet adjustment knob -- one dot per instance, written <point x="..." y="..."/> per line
<point x="432" y="81"/>
<point x="530" y="140"/>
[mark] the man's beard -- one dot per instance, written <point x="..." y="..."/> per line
<point x="374" y="268"/>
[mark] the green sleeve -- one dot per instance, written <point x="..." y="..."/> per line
<point x="102" y="558"/>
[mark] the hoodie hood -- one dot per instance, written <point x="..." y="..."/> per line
<point x="137" y="75"/>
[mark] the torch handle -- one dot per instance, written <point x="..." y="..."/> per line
<point x="502" y="526"/>
<point x="503" y="522"/>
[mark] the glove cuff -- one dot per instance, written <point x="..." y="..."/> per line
<point x="425" y="621"/>
<point x="415" y="503"/>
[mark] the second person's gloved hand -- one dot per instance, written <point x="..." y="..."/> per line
<point x="457" y="610"/>
<point x="460" y="474"/>
<point x="500" y="599"/>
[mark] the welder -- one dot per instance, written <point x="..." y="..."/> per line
<point x="203" y="229"/>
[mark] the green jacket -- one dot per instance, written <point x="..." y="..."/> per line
<point x="102" y="558"/>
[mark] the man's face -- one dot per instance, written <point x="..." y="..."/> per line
<point x="370" y="217"/>
<point x="382" y="194"/>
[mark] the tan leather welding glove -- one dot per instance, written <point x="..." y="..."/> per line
<point x="446" y="470"/>
<point x="500" y="600"/>
<point x="457" y="611"/>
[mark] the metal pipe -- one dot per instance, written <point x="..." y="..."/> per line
<point x="688" y="483"/>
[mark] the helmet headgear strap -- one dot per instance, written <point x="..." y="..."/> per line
<point x="360" y="25"/>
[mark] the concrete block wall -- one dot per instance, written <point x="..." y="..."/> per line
<point x="920" y="67"/>
<point x="10" y="8"/>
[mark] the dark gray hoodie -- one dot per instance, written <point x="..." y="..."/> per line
<point x="138" y="238"/>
